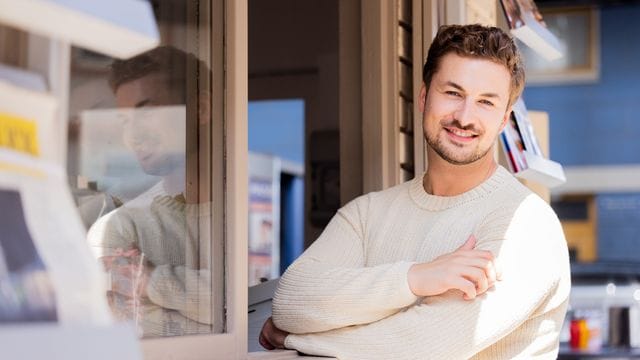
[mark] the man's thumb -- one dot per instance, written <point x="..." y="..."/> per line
<point x="469" y="244"/>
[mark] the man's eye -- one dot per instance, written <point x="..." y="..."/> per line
<point x="486" y="102"/>
<point x="453" y="93"/>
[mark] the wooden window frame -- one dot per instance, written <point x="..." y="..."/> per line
<point x="232" y="344"/>
<point x="51" y="58"/>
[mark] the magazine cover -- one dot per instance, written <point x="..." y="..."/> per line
<point x="47" y="272"/>
<point x="526" y="128"/>
<point x="26" y="290"/>
<point x="514" y="145"/>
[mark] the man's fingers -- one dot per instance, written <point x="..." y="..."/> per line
<point x="271" y="337"/>
<point x="478" y="277"/>
<point x="485" y="254"/>
<point x="466" y="286"/>
<point x="469" y="244"/>
<point x="263" y="339"/>
<point x="486" y="265"/>
<point x="265" y="343"/>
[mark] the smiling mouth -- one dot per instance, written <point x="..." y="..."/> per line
<point x="459" y="134"/>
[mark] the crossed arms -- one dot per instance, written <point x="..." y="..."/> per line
<point x="332" y="304"/>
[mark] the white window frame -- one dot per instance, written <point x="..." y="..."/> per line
<point x="232" y="344"/>
<point x="54" y="63"/>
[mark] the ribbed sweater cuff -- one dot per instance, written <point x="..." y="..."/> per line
<point x="405" y="295"/>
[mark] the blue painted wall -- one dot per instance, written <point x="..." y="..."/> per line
<point x="599" y="124"/>
<point x="276" y="127"/>
<point x="618" y="229"/>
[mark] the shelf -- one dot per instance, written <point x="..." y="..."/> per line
<point x="605" y="353"/>
<point x="282" y="355"/>
<point x="543" y="171"/>
<point x="118" y="28"/>
<point x="118" y="341"/>
<point x="538" y="37"/>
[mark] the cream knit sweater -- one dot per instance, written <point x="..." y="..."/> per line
<point x="167" y="232"/>
<point x="347" y="296"/>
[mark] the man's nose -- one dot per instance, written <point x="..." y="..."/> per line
<point x="465" y="113"/>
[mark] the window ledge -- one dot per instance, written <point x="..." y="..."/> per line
<point x="280" y="355"/>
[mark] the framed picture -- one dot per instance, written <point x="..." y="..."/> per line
<point x="577" y="30"/>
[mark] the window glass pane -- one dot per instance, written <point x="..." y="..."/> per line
<point x="276" y="186"/>
<point x="145" y="162"/>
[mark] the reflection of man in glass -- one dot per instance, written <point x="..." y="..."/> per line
<point x="159" y="266"/>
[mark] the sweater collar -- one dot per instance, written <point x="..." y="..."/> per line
<point x="435" y="203"/>
<point x="178" y="206"/>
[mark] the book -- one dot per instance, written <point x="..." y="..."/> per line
<point x="507" y="153"/>
<point x="514" y="144"/>
<point x="525" y="128"/>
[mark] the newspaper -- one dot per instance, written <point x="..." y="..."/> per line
<point x="47" y="272"/>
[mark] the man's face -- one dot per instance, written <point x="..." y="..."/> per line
<point x="155" y="133"/>
<point x="465" y="108"/>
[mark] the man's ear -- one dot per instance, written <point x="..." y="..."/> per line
<point x="422" y="97"/>
<point x="506" y="117"/>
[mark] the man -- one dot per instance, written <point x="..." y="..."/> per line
<point x="463" y="262"/>
<point x="159" y="265"/>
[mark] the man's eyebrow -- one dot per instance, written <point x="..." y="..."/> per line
<point x="454" y="85"/>
<point x="142" y="103"/>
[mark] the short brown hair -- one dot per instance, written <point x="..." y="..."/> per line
<point x="176" y="65"/>
<point x="477" y="41"/>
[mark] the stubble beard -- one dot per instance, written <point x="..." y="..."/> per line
<point x="449" y="156"/>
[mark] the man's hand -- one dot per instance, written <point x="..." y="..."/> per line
<point x="471" y="271"/>
<point x="129" y="272"/>
<point x="271" y="337"/>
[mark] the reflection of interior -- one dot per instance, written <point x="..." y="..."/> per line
<point x="143" y="156"/>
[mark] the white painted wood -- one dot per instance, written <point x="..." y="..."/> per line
<point x="52" y="59"/>
<point x="233" y="343"/>
<point x="350" y="100"/>
<point x="543" y="171"/>
<point x="455" y="11"/>
<point x="52" y="341"/>
<point x="379" y="95"/>
<point x="426" y="23"/>
<point x="537" y="37"/>
<point x="599" y="178"/>
<point x="119" y="28"/>
<point x="281" y="355"/>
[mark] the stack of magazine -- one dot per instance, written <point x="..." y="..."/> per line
<point x="47" y="271"/>
<point x="517" y="137"/>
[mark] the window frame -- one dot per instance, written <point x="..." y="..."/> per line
<point x="228" y="56"/>
<point x="232" y="344"/>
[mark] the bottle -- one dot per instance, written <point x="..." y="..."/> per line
<point x="574" y="330"/>
<point x="583" y="340"/>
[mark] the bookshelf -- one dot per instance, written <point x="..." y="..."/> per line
<point x="541" y="173"/>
